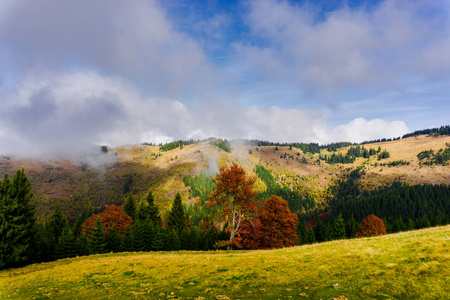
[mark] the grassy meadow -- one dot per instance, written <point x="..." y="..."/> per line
<point x="408" y="265"/>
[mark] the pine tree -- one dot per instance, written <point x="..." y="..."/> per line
<point x="149" y="234"/>
<point x="184" y="240"/>
<point x="76" y="229"/>
<point x="114" y="240"/>
<point x="351" y="227"/>
<point x="177" y="217"/>
<point x="158" y="241"/>
<point x="58" y="223"/>
<point x="302" y="232"/>
<point x="139" y="236"/>
<point x="128" y="240"/>
<point x="398" y="225"/>
<point x="206" y="242"/>
<point x="339" y="228"/>
<point x="388" y="225"/>
<point x="130" y="207"/>
<point x="46" y="244"/>
<point x="310" y="236"/>
<point x="89" y="212"/>
<point x="83" y="243"/>
<point x="150" y="211"/>
<point x="98" y="243"/>
<point x="410" y="225"/>
<point x="172" y="241"/>
<point x="194" y="239"/>
<point x="425" y="222"/>
<point x="320" y="231"/>
<point x="67" y="245"/>
<point x="18" y="230"/>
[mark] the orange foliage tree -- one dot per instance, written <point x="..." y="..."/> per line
<point x="248" y="236"/>
<point x="234" y="194"/>
<point x="278" y="224"/>
<point x="371" y="226"/>
<point x="111" y="215"/>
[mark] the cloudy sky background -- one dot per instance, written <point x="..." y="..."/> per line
<point x="77" y="73"/>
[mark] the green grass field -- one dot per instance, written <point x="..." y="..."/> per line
<point x="410" y="265"/>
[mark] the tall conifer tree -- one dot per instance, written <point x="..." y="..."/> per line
<point x="302" y="231"/>
<point x="128" y="239"/>
<point x="338" y="232"/>
<point x="67" y="245"/>
<point x="310" y="236"/>
<point x="130" y="207"/>
<point x="114" y="240"/>
<point x="177" y="216"/>
<point x="18" y="230"/>
<point x="97" y="242"/>
<point x="58" y="223"/>
<point x="150" y="211"/>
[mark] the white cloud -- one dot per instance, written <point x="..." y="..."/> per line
<point x="288" y="125"/>
<point x="295" y="125"/>
<point x="349" y="47"/>
<point x="131" y="39"/>
<point x="68" y="113"/>
<point x="360" y="129"/>
<point x="79" y="73"/>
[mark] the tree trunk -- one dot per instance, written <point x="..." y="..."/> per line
<point x="233" y="230"/>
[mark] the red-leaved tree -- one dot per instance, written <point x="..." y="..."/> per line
<point x="278" y="224"/>
<point x="248" y="236"/>
<point x="371" y="226"/>
<point x="234" y="194"/>
<point x="111" y="215"/>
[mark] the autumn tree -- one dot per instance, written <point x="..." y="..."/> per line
<point x="371" y="226"/>
<point x="111" y="215"/>
<point x="278" y="224"/>
<point x="249" y="234"/>
<point x="234" y="195"/>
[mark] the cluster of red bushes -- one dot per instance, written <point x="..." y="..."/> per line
<point x="371" y="226"/>
<point x="111" y="215"/>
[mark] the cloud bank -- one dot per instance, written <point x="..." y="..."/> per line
<point x="350" y="46"/>
<point x="70" y="113"/>
<point x="111" y="72"/>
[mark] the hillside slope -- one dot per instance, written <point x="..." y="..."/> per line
<point x="409" y="265"/>
<point x="139" y="169"/>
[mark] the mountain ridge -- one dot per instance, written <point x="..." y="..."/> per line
<point x="142" y="168"/>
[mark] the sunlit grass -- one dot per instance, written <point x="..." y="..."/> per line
<point x="411" y="265"/>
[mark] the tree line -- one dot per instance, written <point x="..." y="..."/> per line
<point x="443" y="130"/>
<point x="234" y="217"/>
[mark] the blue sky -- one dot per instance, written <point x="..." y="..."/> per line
<point x="78" y="73"/>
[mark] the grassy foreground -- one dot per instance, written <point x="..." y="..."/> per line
<point x="411" y="265"/>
